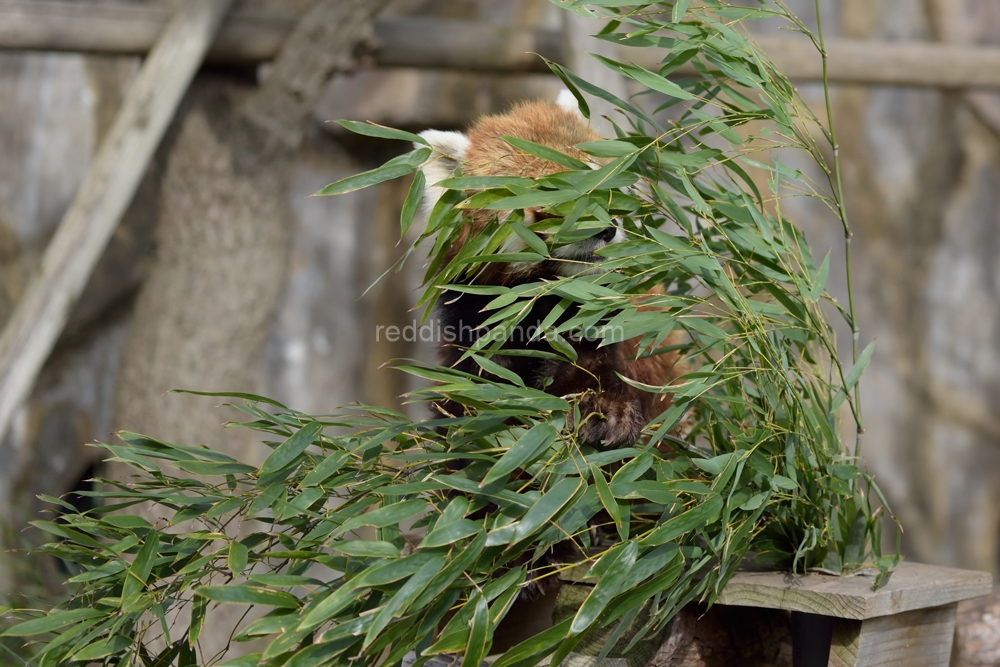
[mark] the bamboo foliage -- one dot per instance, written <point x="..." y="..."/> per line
<point x="746" y="462"/>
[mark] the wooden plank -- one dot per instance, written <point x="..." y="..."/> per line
<point x="918" y="638"/>
<point x="912" y="586"/>
<point x="246" y="36"/>
<point x="252" y="36"/>
<point x="39" y="317"/>
<point x="873" y="63"/>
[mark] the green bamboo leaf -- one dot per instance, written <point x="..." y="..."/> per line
<point x="215" y="468"/>
<point x="138" y="572"/>
<point x="599" y="178"/>
<point x="199" y="605"/>
<point x="533" y="199"/>
<point x="478" y="643"/>
<point x="680" y="7"/>
<point x="853" y="375"/>
<point x="714" y="465"/>
<point x="291" y="449"/>
<point x="483" y="182"/>
<point x="701" y="515"/>
<point x="463" y="560"/>
<point x="654" y="562"/>
<point x="493" y="367"/>
<point x="369" y="548"/>
<point x="531" y="650"/>
<point x="404" y="597"/>
<point x="238" y="557"/>
<point x="450" y="533"/>
<point x="608" y="501"/>
<point x="389" y="515"/>
<point x="530" y="238"/>
<point x="608" y="148"/>
<point x="130" y="521"/>
<point x="755" y="501"/>
<point x="561" y="345"/>
<point x="329" y="606"/>
<point x="394" y="168"/>
<point x="546" y="507"/>
<point x="546" y="153"/>
<point x="412" y="202"/>
<point x="649" y="79"/>
<point x="370" y="129"/>
<point x="246" y="594"/>
<point x="107" y="646"/>
<point x="51" y="622"/>
<point x="856" y="537"/>
<point x="782" y="482"/>
<point x="326" y="469"/>
<point x="609" y="585"/>
<point x="522" y="453"/>
<point x="819" y="280"/>
<point x="392" y="570"/>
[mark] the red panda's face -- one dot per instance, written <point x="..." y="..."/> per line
<point x="482" y="152"/>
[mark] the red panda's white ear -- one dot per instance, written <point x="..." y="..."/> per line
<point x="447" y="152"/>
<point x="567" y="101"/>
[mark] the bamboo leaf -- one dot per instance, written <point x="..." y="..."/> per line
<point x="247" y="594"/>
<point x="292" y="448"/>
<point x="374" y="130"/>
<point x="546" y="507"/>
<point x="394" y="168"/>
<point x="607" y="587"/>
<point x="524" y="451"/>
<point x="51" y="622"/>
<point x="414" y="196"/>
<point x="544" y="152"/>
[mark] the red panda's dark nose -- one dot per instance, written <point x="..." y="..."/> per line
<point x="606" y="235"/>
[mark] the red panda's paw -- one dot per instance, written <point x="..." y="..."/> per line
<point x="610" y="421"/>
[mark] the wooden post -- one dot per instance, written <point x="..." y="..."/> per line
<point x="37" y="321"/>
<point x="910" y="622"/>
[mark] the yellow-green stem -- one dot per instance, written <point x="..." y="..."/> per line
<point x="842" y="211"/>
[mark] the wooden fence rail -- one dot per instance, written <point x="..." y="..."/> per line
<point x="249" y="36"/>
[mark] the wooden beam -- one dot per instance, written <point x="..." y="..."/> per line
<point x="121" y="28"/>
<point x="912" y="586"/>
<point x="873" y="63"/>
<point x="39" y="317"/>
<point x="250" y="36"/>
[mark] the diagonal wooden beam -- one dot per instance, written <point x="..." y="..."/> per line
<point x="39" y="317"/>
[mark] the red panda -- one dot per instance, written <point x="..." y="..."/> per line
<point x="613" y="413"/>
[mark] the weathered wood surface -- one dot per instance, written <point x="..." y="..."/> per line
<point x="114" y="175"/>
<point x="125" y="28"/>
<point x="251" y="36"/>
<point x="918" y="638"/>
<point x="912" y="586"/>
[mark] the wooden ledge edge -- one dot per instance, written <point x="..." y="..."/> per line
<point x="912" y="586"/>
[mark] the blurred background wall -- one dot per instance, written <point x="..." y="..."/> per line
<point x="922" y="168"/>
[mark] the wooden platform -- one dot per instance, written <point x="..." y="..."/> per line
<point x="908" y="622"/>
